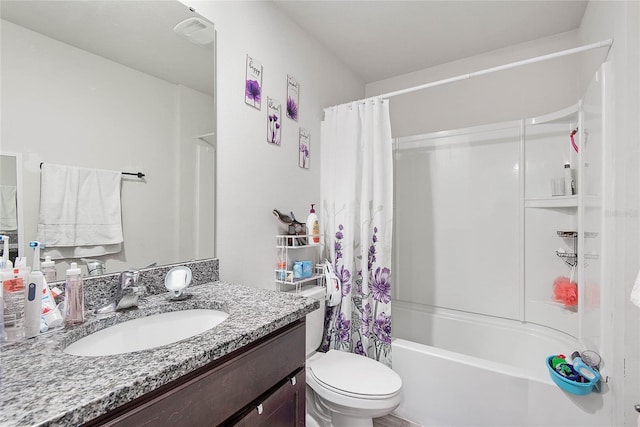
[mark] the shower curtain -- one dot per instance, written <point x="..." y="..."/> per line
<point x="356" y="218"/>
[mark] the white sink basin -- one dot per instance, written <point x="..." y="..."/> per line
<point x="147" y="332"/>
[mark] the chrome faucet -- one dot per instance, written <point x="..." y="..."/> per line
<point x="127" y="294"/>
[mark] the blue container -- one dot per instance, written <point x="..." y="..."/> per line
<point x="566" y="384"/>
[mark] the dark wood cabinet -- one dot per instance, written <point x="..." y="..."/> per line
<point x="282" y="407"/>
<point x="262" y="383"/>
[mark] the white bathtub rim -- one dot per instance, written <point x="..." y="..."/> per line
<point x="465" y="359"/>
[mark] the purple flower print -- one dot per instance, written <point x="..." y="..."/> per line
<point x="359" y="349"/>
<point x="366" y="317"/>
<point x="328" y="315"/>
<point x="292" y="108"/>
<point x="252" y="91"/>
<point x="372" y="255"/>
<point x="343" y="327"/>
<point x="274" y="129"/>
<point x="304" y="155"/>
<point x="381" y="285"/>
<point x="339" y="235"/>
<point x="382" y="328"/>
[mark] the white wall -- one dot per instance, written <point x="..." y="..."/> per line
<point x="621" y="21"/>
<point x="255" y="177"/>
<point x="507" y="95"/>
<point x="64" y="105"/>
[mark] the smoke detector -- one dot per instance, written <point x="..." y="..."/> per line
<point x="196" y="30"/>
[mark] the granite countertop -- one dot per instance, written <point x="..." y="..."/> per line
<point x="41" y="385"/>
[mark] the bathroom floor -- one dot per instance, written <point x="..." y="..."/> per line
<point x="393" y="421"/>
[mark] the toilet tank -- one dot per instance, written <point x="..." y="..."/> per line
<point x="315" y="319"/>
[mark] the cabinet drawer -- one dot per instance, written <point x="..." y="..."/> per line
<point x="283" y="407"/>
<point x="221" y="389"/>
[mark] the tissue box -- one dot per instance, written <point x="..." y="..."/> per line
<point x="302" y="269"/>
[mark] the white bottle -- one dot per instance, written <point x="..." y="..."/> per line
<point x="569" y="181"/>
<point x="33" y="295"/>
<point x="48" y="268"/>
<point x="313" y="226"/>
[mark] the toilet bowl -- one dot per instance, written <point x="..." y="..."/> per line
<point x="344" y="389"/>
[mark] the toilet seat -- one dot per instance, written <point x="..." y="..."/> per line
<point x="354" y="376"/>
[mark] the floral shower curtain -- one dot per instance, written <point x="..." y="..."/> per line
<point x="357" y="212"/>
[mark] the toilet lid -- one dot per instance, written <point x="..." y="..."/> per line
<point x="355" y="374"/>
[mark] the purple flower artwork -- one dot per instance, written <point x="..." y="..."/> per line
<point x="293" y="97"/>
<point x="305" y="141"/>
<point x="292" y="109"/>
<point x="274" y="113"/>
<point x="253" y="83"/>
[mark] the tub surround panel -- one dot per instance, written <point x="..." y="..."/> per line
<point x="43" y="386"/>
<point x="101" y="290"/>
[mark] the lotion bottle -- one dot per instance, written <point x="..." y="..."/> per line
<point x="73" y="297"/>
<point x="33" y="295"/>
<point x="313" y="226"/>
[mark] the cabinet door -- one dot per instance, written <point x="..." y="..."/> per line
<point x="284" y="407"/>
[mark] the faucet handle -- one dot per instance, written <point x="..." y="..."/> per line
<point x="129" y="278"/>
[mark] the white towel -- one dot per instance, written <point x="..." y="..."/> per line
<point x="635" y="291"/>
<point x="80" y="211"/>
<point x="8" y="208"/>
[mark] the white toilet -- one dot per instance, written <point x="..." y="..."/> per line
<point x="344" y="389"/>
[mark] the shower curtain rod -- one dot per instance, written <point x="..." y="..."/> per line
<point x="604" y="43"/>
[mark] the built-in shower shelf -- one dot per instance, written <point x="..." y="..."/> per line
<point x="569" y="255"/>
<point x="567" y="233"/>
<point x="587" y="234"/>
<point x="551" y="202"/>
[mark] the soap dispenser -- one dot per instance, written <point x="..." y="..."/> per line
<point x="73" y="297"/>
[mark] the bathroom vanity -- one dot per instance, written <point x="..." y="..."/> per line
<point x="248" y="370"/>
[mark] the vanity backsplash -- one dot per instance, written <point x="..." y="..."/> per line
<point x="100" y="290"/>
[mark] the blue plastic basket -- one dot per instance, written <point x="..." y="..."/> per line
<point x="567" y="384"/>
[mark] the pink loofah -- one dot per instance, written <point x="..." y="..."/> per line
<point x="565" y="291"/>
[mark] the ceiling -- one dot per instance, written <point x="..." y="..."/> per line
<point x="383" y="39"/>
<point x="138" y="34"/>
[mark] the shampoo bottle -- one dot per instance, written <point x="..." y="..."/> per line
<point x="73" y="297"/>
<point x="313" y="226"/>
<point x="33" y="295"/>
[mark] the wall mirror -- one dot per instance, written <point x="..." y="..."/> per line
<point x="110" y="85"/>
<point x="11" y="202"/>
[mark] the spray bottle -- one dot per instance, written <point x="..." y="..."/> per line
<point x="33" y="295"/>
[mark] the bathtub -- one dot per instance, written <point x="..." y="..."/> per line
<point x="462" y="369"/>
